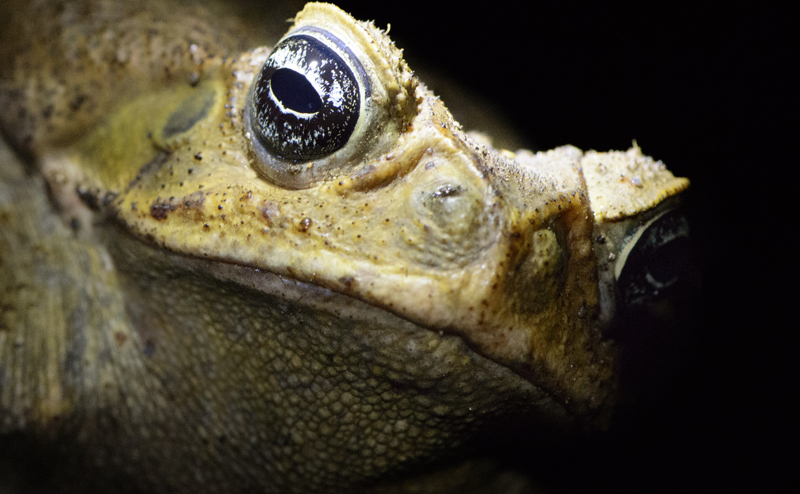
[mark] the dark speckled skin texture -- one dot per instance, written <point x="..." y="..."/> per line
<point x="176" y="319"/>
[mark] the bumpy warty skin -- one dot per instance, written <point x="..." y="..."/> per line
<point x="177" y="317"/>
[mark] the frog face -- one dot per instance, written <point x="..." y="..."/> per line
<point x="314" y="210"/>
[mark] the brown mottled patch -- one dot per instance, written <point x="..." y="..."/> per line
<point x="191" y="204"/>
<point x="120" y="338"/>
<point x="193" y="201"/>
<point x="160" y="209"/>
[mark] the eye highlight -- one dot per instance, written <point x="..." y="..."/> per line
<point x="307" y="97"/>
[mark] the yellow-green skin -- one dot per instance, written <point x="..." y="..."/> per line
<point x="185" y="320"/>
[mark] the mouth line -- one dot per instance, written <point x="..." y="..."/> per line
<point x="551" y="378"/>
<point x="350" y="306"/>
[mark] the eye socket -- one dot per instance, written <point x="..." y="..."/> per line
<point x="654" y="258"/>
<point x="307" y="97"/>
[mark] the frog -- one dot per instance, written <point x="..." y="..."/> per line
<point x="236" y="264"/>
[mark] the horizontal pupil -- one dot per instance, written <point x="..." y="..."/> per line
<point x="295" y="92"/>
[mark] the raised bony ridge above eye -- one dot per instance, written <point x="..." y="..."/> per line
<point x="333" y="94"/>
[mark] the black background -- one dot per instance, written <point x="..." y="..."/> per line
<point x="706" y="89"/>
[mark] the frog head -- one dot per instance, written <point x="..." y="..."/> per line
<point x="324" y="175"/>
<point x="326" y="161"/>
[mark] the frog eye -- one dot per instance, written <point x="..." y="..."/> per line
<point x="307" y="97"/>
<point x="653" y="258"/>
<point x="333" y="97"/>
<point x="316" y="109"/>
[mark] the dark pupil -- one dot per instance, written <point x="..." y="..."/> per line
<point x="295" y="92"/>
